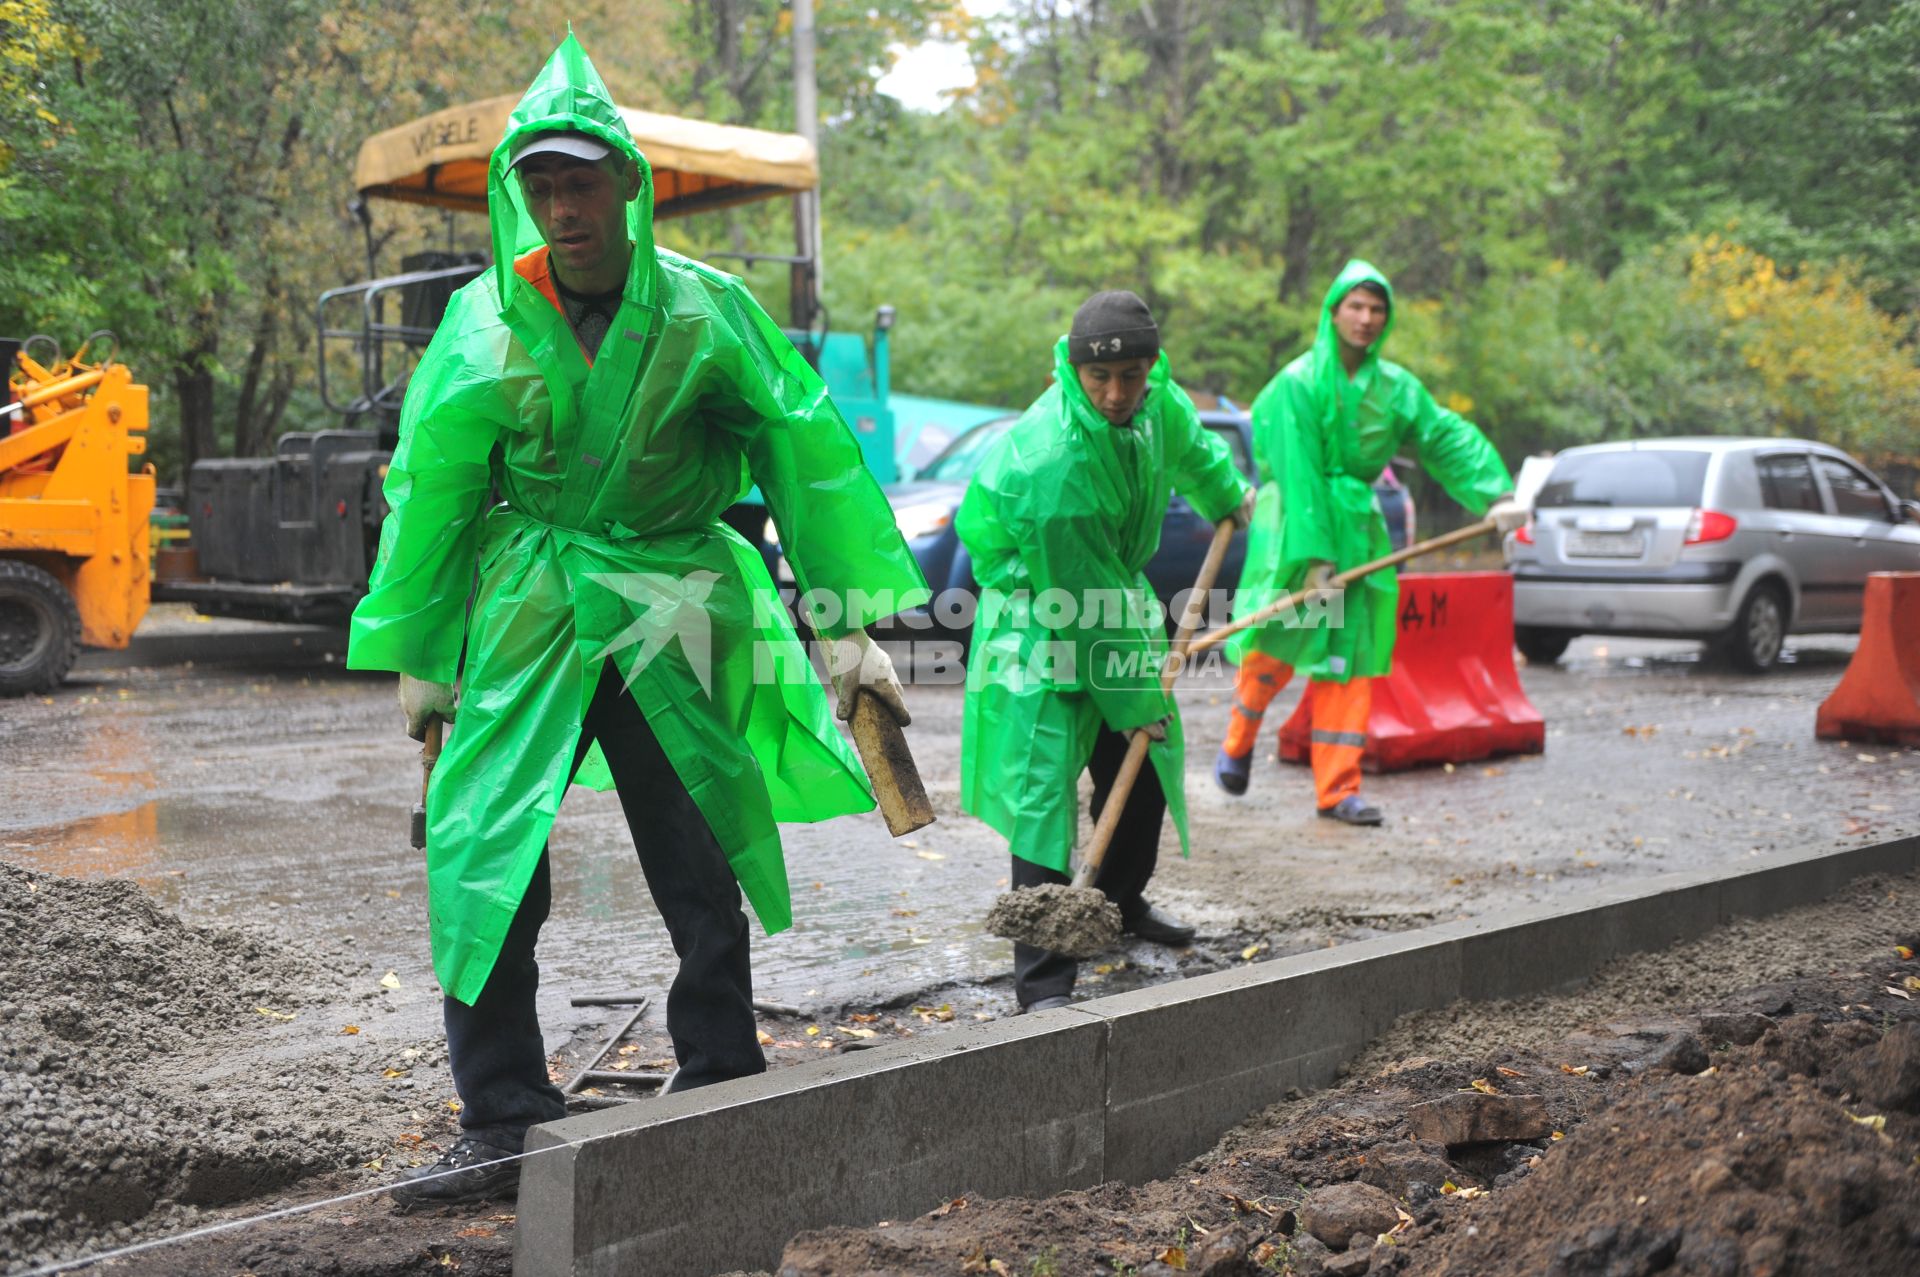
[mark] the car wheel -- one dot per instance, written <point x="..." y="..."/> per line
<point x="39" y="629"/>
<point x="1541" y="646"/>
<point x="1759" y="631"/>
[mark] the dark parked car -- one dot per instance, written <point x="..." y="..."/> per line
<point x="1736" y="541"/>
<point x="925" y="505"/>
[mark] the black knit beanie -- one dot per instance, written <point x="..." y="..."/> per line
<point x="1111" y="326"/>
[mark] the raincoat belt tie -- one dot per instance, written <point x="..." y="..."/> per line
<point x="612" y="532"/>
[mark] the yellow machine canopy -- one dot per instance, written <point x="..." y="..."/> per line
<point x="441" y="159"/>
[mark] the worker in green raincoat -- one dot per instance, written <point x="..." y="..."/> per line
<point x="1323" y="430"/>
<point x="1061" y="520"/>
<point x="615" y="398"/>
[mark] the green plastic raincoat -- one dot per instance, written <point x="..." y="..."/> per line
<point x="1320" y="439"/>
<point x="1069" y="503"/>
<point x="607" y="542"/>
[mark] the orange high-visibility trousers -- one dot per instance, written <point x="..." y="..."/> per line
<point x="1338" y="712"/>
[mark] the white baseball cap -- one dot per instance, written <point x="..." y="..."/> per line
<point x="579" y="146"/>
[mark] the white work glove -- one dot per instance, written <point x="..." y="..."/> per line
<point x="421" y="700"/>
<point x="1319" y="576"/>
<point x="856" y="662"/>
<point x="1243" y="516"/>
<point x="1508" y="515"/>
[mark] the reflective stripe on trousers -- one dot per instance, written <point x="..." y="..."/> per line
<point x="1337" y="711"/>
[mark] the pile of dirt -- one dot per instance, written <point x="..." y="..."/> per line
<point x="1688" y="1112"/>
<point x="105" y="1001"/>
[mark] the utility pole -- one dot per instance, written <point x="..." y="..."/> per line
<point x="805" y="276"/>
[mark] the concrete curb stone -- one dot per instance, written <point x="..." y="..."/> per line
<point x="1126" y="1087"/>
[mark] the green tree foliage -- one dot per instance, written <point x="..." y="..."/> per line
<point x="1535" y="177"/>
<point x="1540" y="177"/>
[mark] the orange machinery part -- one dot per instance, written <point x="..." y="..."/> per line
<point x="68" y="503"/>
<point x="1879" y="696"/>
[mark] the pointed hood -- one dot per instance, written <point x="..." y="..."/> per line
<point x="568" y="94"/>
<point x="1327" y="370"/>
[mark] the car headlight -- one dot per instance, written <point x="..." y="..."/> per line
<point x="916" y="521"/>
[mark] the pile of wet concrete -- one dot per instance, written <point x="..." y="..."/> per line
<point x="109" y="1008"/>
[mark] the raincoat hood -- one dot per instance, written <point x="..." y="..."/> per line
<point x="1080" y="409"/>
<point x="1328" y="371"/>
<point x="567" y="96"/>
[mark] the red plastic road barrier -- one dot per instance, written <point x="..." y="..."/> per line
<point x="1453" y="695"/>
<point x="1879" y="695"/>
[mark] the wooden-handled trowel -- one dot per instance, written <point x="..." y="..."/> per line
<point x="429" y="754"/>
<point x="889" y="763"/>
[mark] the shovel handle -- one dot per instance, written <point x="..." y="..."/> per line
<point x="1136" y="758"/>
<point x="1213" y="638"/>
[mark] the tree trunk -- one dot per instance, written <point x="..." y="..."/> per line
<point x="193" y="386"/>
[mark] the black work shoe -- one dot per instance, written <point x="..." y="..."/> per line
<point x="1231" y="773"/>
<point x="1353" y="810"/>
<point x="470" y="1171"/>
<point x="1160" y="928"/>
<point x="1047" y="1004"/>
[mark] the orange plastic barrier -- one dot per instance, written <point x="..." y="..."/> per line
<point x="1454" y="695"/>
<point x="1879" y="696"/>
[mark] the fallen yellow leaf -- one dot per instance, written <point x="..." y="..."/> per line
<point x="1906" y="954"/>
<point x="393" y="1072"/>
<point x="455" y="1105"/>
<point x="1504" y="1071"/>
<point x="813" y="1030"/>
<point x="1578" y="1070"/>
<point x="1911" y="982"/>
<point x="349" y="1030"/>
<point x="765" y="1038"/>
<point x="1247" y="954"/>
<point x="1174" y="1257"/>
<point x="391" y="980"/>
<point x="1875" y="1123"/>
<point x="858" y="1033"/>
<point x="1485" y="1087"/>
<point x="1558" y="1135"/>
<point x="272" y="1014"/>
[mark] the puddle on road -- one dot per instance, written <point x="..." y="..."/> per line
<point x="872" y="921"/>
<point x="1679" y="658"/>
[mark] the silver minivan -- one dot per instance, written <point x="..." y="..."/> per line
<point x="1737" y="541"/>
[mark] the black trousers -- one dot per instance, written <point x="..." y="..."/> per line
<point x="1124" y="871"/>
<point x="494" y="1046"/>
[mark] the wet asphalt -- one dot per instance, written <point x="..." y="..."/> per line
<point x="251" y="779"/>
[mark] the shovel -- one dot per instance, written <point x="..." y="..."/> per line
<point x="1078" y="919"/>
<point x="1070" y="919"/>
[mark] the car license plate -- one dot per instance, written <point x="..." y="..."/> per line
<point x="1606" y="545"/>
